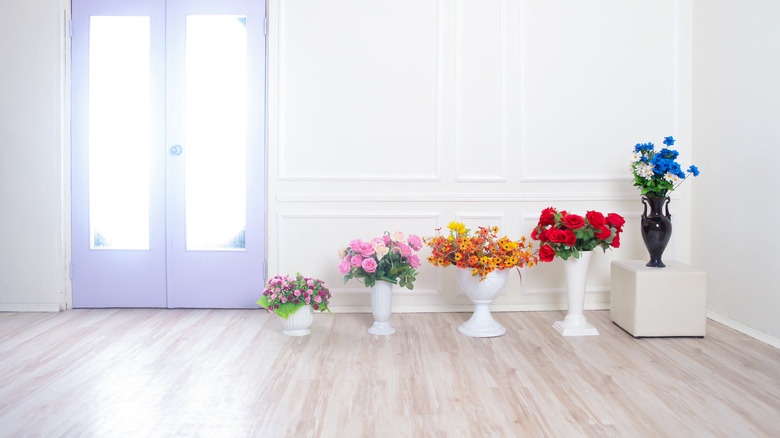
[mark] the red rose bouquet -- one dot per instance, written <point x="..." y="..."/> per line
<point x="565" y="235"/>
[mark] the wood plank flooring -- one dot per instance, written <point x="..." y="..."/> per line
<point x="232" y="373"/>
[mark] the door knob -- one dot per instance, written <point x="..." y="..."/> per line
<point x="176" y="150"/>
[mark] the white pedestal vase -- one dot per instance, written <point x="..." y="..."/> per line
<point x="381" y="308"/>
<point x="575" y="324"/>
<point x="299" y="323"/>
<point x="482" y="293"/>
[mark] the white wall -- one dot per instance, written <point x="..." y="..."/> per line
<point x="34" y="213"/>
<point x="410" y="114"/>
<point x="736" y="132"/>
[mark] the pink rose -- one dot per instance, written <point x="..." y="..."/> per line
<point x="406" y="250"/>
<point x="366" y="249"/>
<point x="308" y="300"/>
<point x="345" y="266"/>
<point x="357" y="260"/>
<point x="297" y="293"/>
<point x="414" y="261"/>
<point x="415" y="242"/>
<point x="317" y="299"/>
<point x="388" y="241"/>
<point x="354" y="245"/>
<point x="369" y="265"/>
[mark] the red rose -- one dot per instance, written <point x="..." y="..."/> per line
<point x="571" y="239"/>
<point x="595" y="218"/>
<point x="539" y="233"/>
<point x="547" y="217"/>
<point x="616" y="241"/>
<point x="615" y="220"/>
<point x="546" y="253"/>
<point x="556" y="236"/>
<point x="603" y="233"/>
<point x="574" y="221"/>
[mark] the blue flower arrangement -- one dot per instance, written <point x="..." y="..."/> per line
<point x="658" y="173"/>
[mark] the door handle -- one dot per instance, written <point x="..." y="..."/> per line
<point x="176" y="150"/>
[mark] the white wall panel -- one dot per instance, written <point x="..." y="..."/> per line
<point x="357" y="89"/>
<point x="599" y="77"/>
<point x="481" y="136"/>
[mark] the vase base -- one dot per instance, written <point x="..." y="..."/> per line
<point x="582" y="329"/>
<point x="381" y="328"/>
<point x="655" y="264"/>
<point x="480" y="329"/>
<point x="300" y="332"/>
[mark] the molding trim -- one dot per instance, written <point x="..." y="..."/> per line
<point x="455" y="197"/>
<point x="753" y="333"/>
<point x="30" y="307"/>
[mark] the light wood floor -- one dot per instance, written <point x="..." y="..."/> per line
<point x="232" y="373"/>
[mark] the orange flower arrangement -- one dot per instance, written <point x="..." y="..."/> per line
<point x="483" y="253"/>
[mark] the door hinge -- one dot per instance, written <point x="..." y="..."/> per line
<point x="265" y="26"/>
<point x="70" y="27"/>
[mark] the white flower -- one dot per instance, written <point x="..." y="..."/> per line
<point x="380" y="248"/>
<point x="645" y="170"/>
<point x="398" y="236"/>
<point x="342" y="252"/>
<point x="672" y="178"/>
<point x="636" y="157"/>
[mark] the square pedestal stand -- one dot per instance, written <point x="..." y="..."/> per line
<point x="656" y="302"/>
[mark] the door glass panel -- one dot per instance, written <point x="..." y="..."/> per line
<point x="215" y="132"/>
<point x="119" y="132"/>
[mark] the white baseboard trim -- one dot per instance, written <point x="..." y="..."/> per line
<point x="454" y="308"/>
<point x="753" y="333"/>
<point x="29" y="307"/>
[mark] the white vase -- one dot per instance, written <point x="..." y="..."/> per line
<point x="575" y="324"/>
<point x="482" y="293"/>
<point x="299" y="323"/>
<point x="381" y="308"/>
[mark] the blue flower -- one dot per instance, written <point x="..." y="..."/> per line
<point x="694" y="170"/>
<point x="669" y="140"/>
<point x="641" y="147"/>
<point x="670" y="154"/>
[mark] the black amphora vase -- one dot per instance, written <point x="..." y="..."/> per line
<point x="656" y="229"/>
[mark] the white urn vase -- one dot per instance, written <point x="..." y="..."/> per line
<point x="575" y="324"/>
<point x="381" y="308"/>
<point x="482" y="293"/>
<point x="299" y="323"/>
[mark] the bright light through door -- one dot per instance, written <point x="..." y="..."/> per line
<point x="119" y="132"/>
<point x="215" y="132"/>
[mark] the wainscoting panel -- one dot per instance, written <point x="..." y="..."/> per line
<point x="410" y="114"/>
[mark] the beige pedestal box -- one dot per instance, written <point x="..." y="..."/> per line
<point x="668" y="301"/>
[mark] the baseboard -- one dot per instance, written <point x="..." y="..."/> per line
<point x="454" y="308"/>
<point x="29" y="307"/>
<point x="753" y="333"/>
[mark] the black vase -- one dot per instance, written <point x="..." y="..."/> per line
<point x="656" y="229"/>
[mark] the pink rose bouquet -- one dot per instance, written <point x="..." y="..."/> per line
<point x="565" y="235"/>
<point x="285" y="294"/>
<point x="390" y="258"/>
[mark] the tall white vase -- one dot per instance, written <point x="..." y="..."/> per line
<point x="299" y="322"/>
<point x="381" y="308"/>
<point x="482" y="293"/>
<point x="575" y="324"/>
